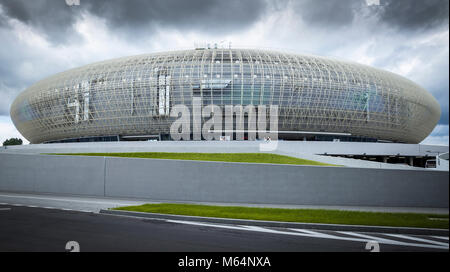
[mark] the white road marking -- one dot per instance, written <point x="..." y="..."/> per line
<point x="369" y="237"/>
<point x="298" y="232"/>
<point x="314" y="233"/>
<point x="5" y="209"/>
<point x="389" y="241"/>
<point x="417" y="239"/>
<point x="441" y="237"/>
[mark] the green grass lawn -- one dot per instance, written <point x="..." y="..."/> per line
<point x="299" y="215"/>
<point x="225" y="157"/>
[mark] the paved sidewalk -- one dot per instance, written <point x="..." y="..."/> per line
<point x="96" y="204"/>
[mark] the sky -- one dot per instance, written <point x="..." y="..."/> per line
<point x="42" y="37"/>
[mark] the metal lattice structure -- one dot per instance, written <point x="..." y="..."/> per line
<point x="134" y="95"/>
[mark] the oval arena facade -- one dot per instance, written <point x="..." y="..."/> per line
<point x="316" y="97"/>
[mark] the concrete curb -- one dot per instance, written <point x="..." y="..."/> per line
<point x="359" y="228"/>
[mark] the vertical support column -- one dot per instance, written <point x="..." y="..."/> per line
<point x="86" y="94"/>
<point x="167" y="99"/>
<point x="411" y="161"/>
<point x="154" y="93"/>
<point x="162" y="94"/>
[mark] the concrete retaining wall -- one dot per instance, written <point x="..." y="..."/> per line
<point x="52" y="174"/>
<point x="223" y="182"/>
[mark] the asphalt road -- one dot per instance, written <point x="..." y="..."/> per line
<point x="41" y="229"/>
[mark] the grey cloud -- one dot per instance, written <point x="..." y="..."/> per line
<point x="54" y="19"/>
<point x="441" y="96"/>
<point x="440" y="90"/>
<point x="444" y="115"/>
<point x="327" y="13"/>
<point x="138" y="18"/>
<point x="8" y="95"/>
<point x="3" y="21"/>
<point x="206" y="15"/>
<point x="414" y="15"/>
<point x="404" y="15"/>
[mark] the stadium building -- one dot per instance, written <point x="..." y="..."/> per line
<point x="318" y="98"/>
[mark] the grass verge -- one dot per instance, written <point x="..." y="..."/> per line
<point x="299" y="215"/>
<point x="225" y="157"/>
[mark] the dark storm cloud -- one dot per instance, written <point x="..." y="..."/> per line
<point x="52" y="18"/>
<point x="206" y="15"/>
<point x="400" y="14"/>
<point x="55" y="19"/>
<point x="414" y="15"/>
<point x="327" y="13"/>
